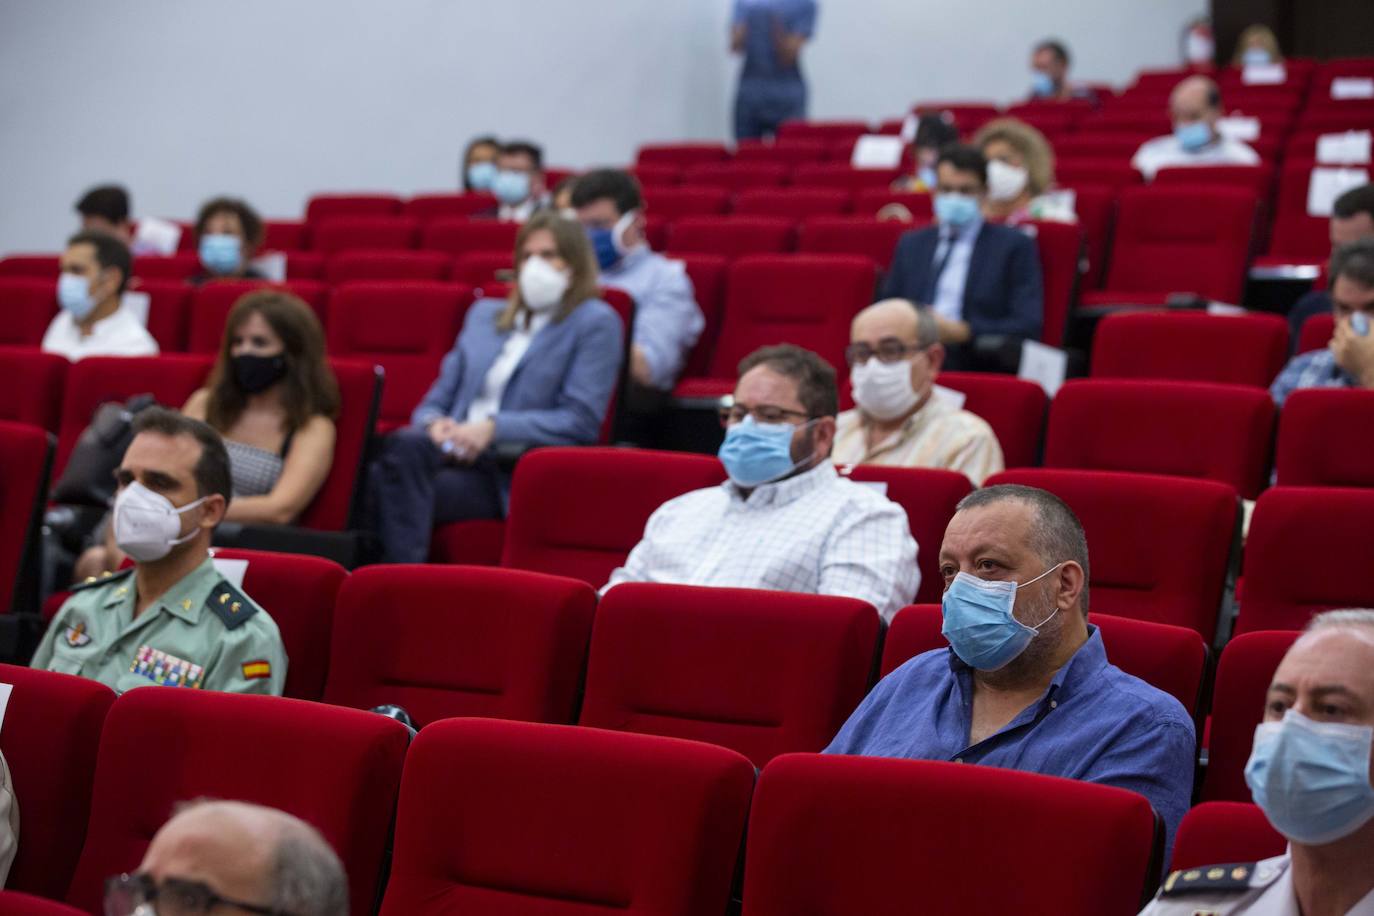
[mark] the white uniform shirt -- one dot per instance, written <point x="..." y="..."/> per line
<point x="1270" y="894"/>
<point x="121" y="334"/>
<point x="1166" y="152"/>
<point x="488" y="400"/>
<point x="815" y="533"/>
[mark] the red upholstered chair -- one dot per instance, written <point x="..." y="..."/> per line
<point x="387" y="265"/>
<point x="445" y="641"/>
<point x="680" y="155"/>
<point x="792" y="203"/>
<point x="1224" y="831"/>
<point x="842" y="176"/>
<point x="404" y="327"/>
<point x="707" y="273"/>
<point x="736" y="176"/>
<point x="480" y="269"/>
<point x="822" y="131"/>
<point x="38" y="402"/>
<point x="1114" y="172"/>
<point x="1296" y="235"/>
<point x="1257" y="178"/>
<point x="543" y="820"/>
<point x="1060" y="246"/>
<point x="730" y="236"/>
<point x="336" y="769"/>
<point x="1013" y="407"/>
<point x="1169" y="564"/>
<point x="176" y="267"/>
<point x="656" y="176"/>
<point x="677" y="202"/>
<point x="29" y="305"/>
<point x="1326" y="527"/>
<point x="32" y="266"/>
<point x="830" y="835"/>
<point x="868" y="201"/>
<point x="427" y="207"/>
<point x="298" y="592"/>
<point x="284" y="235"/>
<point x="785" y="669"/>
<point x="14" y="903"/>
<point x="169" y="312"/>
<point x="360" y="392"/>
<point x="1316" y="333"/>
<point x="1246" y="668"/>
<point x="1323" y="438"/>
<point x="342" y="206"/>
<point x="370" y="232"/>
<point x="25" y="462"/>
<point x="928" y="496"/>
<point x="1187" y="429"/>
<point x="1095" y="205"/>
<point x="459" y="236"/>
<point x="52" y="729"/>
<point x="210" y="305"/>
<point x="855" y="235"/>
<point x="968" y="116"/>
<point x="304" y="265"/>
<point x="790" y="152"/>
<point x="1191" y="347"/>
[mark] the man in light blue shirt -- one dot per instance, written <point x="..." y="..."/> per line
<point x="770" y="35"/>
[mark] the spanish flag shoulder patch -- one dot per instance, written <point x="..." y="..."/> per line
<point x="258" y="668"/>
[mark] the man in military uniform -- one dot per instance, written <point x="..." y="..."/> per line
<point x="172" y="619"/>
<point x="1311" y="774"/>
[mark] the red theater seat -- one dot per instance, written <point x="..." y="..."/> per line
<point x="1316" y="333"/>
<point x="387" y="265"/>
<point x="1257" y="178"/>
<point x="171" y="267"/>
<point x="707" y="273"/>
<point x="1223" y="831"/>
<point x="445" y="641"/>
<point x="1114" y="173"/>
<point x="459" y="236"/>
<point x="1191" y="347"/>
<point x="656" y="176"/>
<point x="169" y="312"/>
<point x="786" y="670"/>
<point x="1060" y="246"/>
<point x="678" y="202"/>
<point x="822" y="131"/>
<point x="736" y="176"/>
<point x="730" y="236"/>
<point x="284" y="235"/>
<point x="336" y="206"/>
<point x="1095" y="206"/>
<point x="378" y="232"/>
<point x="856" y="235"/>
<point x="427" y="207"/>
<point x="680" y="155"/>
<point x="542" y="820"/>
<point x="33" y="266"/>
<point x="842" y="176"/>
<point x="13" y="903"/>
<point x="1013" y="407"/>
<point x="480" y="269"/>
<point x="38" y="402"/>
<point x="29" y="305"/>
<point x="868" y="201"/>
<point x="1296" y="235"/>
<point x="335" y="506"/>
<point x="1324" y="438"/>
<point x="25" y="463"/>
<point x="792" y="203"/>
<point x="211" y="303"/>
<point x="789" y="153"/>
<point x="1246" y="668"/>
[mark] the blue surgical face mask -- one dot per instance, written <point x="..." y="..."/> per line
<point x="511" y="188"/>
<point x="927" y="175"/>
<point x="221" y="253"/>
<point x="1255" y="57"/>
<point x="481" y="175"/>
<point x="1042" y="84"/>
<point x="955" y="209"/>
<point x="758" y="453"/>
<point x="1193" y="137"/>
<point x="74" y="295"/>
<point x="1310" y="778"/>
<point x="979" y="623"/>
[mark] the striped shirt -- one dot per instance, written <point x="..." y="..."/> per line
<point x="1315" y="369"/>
<point x="939" y="435"/>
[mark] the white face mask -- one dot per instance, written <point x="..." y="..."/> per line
<point x="883" y="390"/>
<point x="146" y="524"/>
<point x="1005" y="182"/>
<point x="542" y="285"/>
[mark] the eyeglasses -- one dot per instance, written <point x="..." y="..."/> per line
<point x="128" y="894"/>
<point x="763" y="413"/>
<point x="889" y="350"/>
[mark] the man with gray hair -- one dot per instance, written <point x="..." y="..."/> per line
<point x="1025" y="683"/>
<point x="236" y="855"/>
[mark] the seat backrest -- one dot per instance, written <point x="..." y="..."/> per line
<point x="861" y="235"/>
<point x="832" y="835"/>
<point x="707" y="273"/>
<point x="1095" y="206"/>
<point x="211" y="303"/>
<point x="791" y="152"/>
<point x="736" y="176"/>
<point x="32" y="266"/>
<point x="367" y="232"/>
<point x="363" y="264"/>
<point x="579" y="511"/>
<point x="1013" y="407"/>
<point x="427" y="207"/>
<point x="1084" y="163"/>
<point x="30" y="305"/>
<point x="680" y="154"/>
<point x="480" y="269"/>
<point x="868" y="201"/>
<point x="1244" y="671"/>
<point x="38" y="402"/>
<point x="443" y="641"/>
<point x="1258" y="178"/>
<point x="792" y="203"/>
<point x="1225" y="831"/>
<point x="25" y="464"/>
<point x="52" y="729"/>
<point x="786" y="669"/>
<point x="173" y="267"/>
<point x="1296" y="233"/>
<point x="1186" y="429"/>
<point x="678" y="202"/>
<point x="459" y="236"/>
<point x="335" y="206"/>
<point x="1191" y="347"/>
<point x="360" y="393"/>
<point x="546" y="820"/>
<point x="1316" y="333"/>
<point x="731" y="236"/>
<point x="1060" y="246"/>
<point x="283" y="234"/>
<point x="1312" y="422"/>
<point x="337" y="769"/>
<point x="169" y="313"/>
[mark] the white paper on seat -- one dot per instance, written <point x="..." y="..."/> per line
<point x="1225" y="308"/>
<point x="136" y="304"/>
<point x="271" y="265"/>
<point x="949" y="396"/>
<point x="1352" y="87"/>
<point x="233" y="570"/>
<point x="1239" y="127"/>
<point x="1264" y="74"/>
<point x="1326" y="184"/>
<point x="1046" y="366"/>
<point x="5" y="691"/>
<point x="1348" y="148"/>
<point x="879" y="485"/>
<point x="877" y="151"/>
<point x="156" y="236"/>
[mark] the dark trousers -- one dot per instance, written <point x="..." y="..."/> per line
<point x="762" y="104"/>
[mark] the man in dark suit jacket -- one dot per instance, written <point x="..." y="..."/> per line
<point x="982" y="280"/>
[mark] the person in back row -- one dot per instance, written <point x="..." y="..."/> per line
<point x="785" y="520"/>
<point x="479" y="164"/>
<point x="92" y="322"/>
<point x="228" y="235"/>
<point x="106" y="209"/>
<point x="770" y="34"/>
<point x="1050" y="74"/>
<point x="1020" y="172"/>
<point x="982" y="280"/>
<point x="1352" y="219"/>
<point x="1026" y="683"/>
<point x="1195" y="108"/>
<point x="900" y="419"/>
<point x="519" y="184"/>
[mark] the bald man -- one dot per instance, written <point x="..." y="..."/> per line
<point x="236" y="855"/>
<point x="902" y="419"/>
<point x="1195" y="107"/>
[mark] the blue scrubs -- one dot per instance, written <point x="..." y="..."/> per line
<point x="769" y="92"/>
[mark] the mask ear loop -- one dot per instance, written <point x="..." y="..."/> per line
<point x="177" y="542"/>
<point x="1037" y="579"/>
<point x="618" y="231"/>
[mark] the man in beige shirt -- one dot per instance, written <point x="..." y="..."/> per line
<point x="901" y="420"/>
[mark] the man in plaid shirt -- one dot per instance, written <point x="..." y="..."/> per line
<point x="1348" y="361"/>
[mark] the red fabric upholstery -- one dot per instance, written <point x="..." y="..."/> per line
<point x="33" y="266"/>
<point x="427" y="207"/>
<point x="869" y="201"/>
<point x="446" y="641"/>
<point x="792" y="152"/>
<point x="1191" y="347"/>
<point x="832" y="836"/>
<point x="792" y="203"/>
<point x="360" y="385"/>
<point x="735" y="176"/>
<point x="298" y="592"/>
<point x="928" y="496"/>
<point x="680" y="155"/>
<point x="1114" y="172"/>
<point x="1257" y="178"/>
<point x="1095" y="205"/>
<point x="342" y="206"/>
<point x="29" y="305"/>
<point x="677" y="202"/>
<point x="1313" y="420"/>
<point x="786" y="670"/>
<point x="1297" y="235"/>
<point x="1246" y="667"/>
<point x="52" y="729"/>
<point x="210" y="305"/>
<point x="1187" y="429"/>
<point x="25" y="456"/>
<point x="861" y="235"/>
<point x="707" y="273"/>
<point x="171" y="267"/>
<point x="1129" y="122"/>
<point x="387" y="265"/>
<point x="459" y="236"/>
<point x="38" y="402"/>
<point x="475" y="543"/>
<point x="1013" y="407"/>
<point x="337" y="769"/>
<point x="484" y="268"/>
<point x="656" y="176"/>
<point x="842" y="175"/>
<point x="1316" y="333"/>
<point x="14" y="903"/>
<point x="823" y="131"/>
<point x="968" y="116"/>
<point x="507" y="818"/>
<point x="284" y="235"/>
<point x="375" y="232"/>
<point x="1223" y="831"/>
<point x="405" y="327"/>
<point x="304" y="265"/>
<point x="169" y="312"/>
<point x="730" y="236"/>
<point x="1327" y="527"/>
<point x="1060" y="246"/>
<point x="1169" y="564"/>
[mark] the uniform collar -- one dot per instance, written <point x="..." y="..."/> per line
<point x="787" y="490"/>
<point x="184" y="600"/>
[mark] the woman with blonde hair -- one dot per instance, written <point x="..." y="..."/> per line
<point x="1020" y="175"/>
<point x="537" y="368"/>
<point x="1257" y="46"/>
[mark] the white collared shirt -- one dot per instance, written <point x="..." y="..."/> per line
<point x="815" y="533"/>
<point x="1270" y="892"/>
<point x="1166" y="153"/>
<point x="949" y="288"/>
<point x="120" y="334"/>
<point x="521" y="212"/>
<point x="488" y="400"/>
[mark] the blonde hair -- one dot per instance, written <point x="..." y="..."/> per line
<point x="1260" y="35"/>
<point x="1029" y="143"/>
<point x="571" y="241"/>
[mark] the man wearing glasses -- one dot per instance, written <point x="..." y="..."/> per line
<point x="785" y="520"/>
<point x="902" y="419"/>
<point x="223" y="857"/>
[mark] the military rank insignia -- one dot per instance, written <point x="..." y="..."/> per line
<point x="76" y="635"/>
<point x="254" y="670"/>
<point x="166" y="670"/>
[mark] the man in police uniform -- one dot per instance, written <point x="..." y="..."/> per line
<point x="172" y="619"/>
<point x="1310" y="772"/>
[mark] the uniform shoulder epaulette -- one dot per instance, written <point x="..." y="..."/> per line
<point x="230" y="605"/>
<point x="102" y="579"/>
<point x="1212" y="878"/>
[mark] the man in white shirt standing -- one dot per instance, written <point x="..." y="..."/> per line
<point x="785" y="520"/>
<point x="95" y="269"/>
<point x="1195" y="107"/>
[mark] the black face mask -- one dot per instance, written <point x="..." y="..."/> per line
<point x="258" y="373"/>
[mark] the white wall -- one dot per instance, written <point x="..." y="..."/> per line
<point x="274" y="99"/>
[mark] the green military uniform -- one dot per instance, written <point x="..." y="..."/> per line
<point x="202" y="633"/>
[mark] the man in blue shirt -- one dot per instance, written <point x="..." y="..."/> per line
<point x="1026" y="684"/>
<point x="770" y="35"/>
